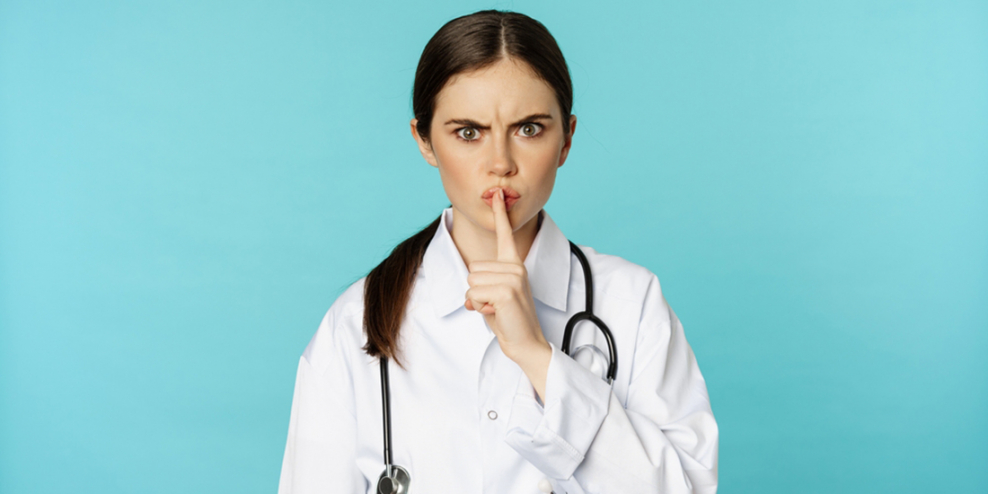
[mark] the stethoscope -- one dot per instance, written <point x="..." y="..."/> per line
<point x="395" y="479"/>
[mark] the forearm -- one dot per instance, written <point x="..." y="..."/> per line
<point x="534" y="362"/>
<point x="585" y="436"/>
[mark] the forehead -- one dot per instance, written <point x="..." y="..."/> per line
<point x="507" y="88"/>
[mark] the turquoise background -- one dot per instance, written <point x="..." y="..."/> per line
<point x="185" y="188"/>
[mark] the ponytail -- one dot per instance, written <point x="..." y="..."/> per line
<point x="387" y="290"/>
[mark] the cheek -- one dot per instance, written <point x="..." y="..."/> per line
<point x="544" y="150"/>
<point x="541" y="160"/>
<point x="543" y="171"/>
<point x="454" y="173"/>
<point x="546" y="183"/>
<point x="549" y="156"/>
<point x="452" y="156"/>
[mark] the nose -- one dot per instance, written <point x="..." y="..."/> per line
<point x="502" y="161"/>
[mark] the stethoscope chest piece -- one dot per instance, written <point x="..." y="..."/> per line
<point x="397" y="483"/>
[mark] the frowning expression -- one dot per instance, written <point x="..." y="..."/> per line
<point x="499" y="126"/>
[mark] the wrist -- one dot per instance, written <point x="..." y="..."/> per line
<point x="534" y="362"/>
<point x="531" y="353"/>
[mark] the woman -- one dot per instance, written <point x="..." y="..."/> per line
<point x="465" y="319"/>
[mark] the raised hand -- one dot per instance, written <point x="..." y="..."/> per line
<point x="500" y="289"/>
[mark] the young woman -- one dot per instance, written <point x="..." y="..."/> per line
<point x="445" y="369"/>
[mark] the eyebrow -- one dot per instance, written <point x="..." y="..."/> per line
<point x="474" y="123"/>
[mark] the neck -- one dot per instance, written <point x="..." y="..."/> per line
<point x="477" y="243"/>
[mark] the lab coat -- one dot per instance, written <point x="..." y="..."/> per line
<point x="465" y="418"/>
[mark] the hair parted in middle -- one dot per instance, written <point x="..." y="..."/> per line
<point x="464" y="44"/>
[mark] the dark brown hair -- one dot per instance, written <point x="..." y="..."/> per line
<point x="463" y="44"/>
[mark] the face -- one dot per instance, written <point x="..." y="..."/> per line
<point x="499" y="126"/>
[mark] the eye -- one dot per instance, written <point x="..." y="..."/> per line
<point x="531" y="129"/>
<point x="467" y="133"/>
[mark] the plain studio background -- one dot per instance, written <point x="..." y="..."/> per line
<point x="186" y="188"/>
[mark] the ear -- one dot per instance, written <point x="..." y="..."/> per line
<point x="569" y="141"/>
<point x="425" y="147"/>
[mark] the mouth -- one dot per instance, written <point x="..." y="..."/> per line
<point x="510" y="197"/>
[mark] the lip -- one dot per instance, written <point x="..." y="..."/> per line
<point x="510" y="196"/>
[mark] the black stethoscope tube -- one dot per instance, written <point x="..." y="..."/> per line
<point x="386" y="399"/>
<point x="588" y="314"/>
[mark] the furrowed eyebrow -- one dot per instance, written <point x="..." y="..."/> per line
<point x="475" y="124"/>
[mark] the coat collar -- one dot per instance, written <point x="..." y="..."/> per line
<point x="547" y="263"/>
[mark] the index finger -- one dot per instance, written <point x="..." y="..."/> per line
<point x="502" y="224"/>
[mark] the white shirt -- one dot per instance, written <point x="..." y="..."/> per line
<point x="465" y="417"/>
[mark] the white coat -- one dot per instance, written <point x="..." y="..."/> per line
<point x="465" y="418"/>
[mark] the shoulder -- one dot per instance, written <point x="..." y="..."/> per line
<point x="618" y="277"/>
<point x="340" y="333"/>
<point x="628" y="291"/>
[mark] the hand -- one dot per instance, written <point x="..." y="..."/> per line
<point x="501" y="291"/>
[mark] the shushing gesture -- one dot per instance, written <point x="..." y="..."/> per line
<point x="501" y="291"/>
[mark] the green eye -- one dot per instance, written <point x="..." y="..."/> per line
<point x="530" y="129"/>
<point x="468" y="133"/>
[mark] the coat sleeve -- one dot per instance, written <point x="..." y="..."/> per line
<point x="664" y="440"/>
<point x="320" y="454"/>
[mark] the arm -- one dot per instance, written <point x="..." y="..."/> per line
<point x="664" y="440"/>
<point x="321" y="448"/>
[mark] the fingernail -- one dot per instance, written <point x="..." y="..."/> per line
<point x="500" y="193"/>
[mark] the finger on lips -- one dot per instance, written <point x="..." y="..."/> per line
<point x="502" y="225"/>
<point x="506" y="253"/>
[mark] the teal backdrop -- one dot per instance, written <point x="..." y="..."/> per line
<point x="186" y="187"/>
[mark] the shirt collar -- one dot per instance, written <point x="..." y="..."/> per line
<point x="547" y="263"/>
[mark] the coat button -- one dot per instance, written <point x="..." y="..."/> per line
<point x="545" y="486"/>
<point x="492" y="415"/>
